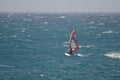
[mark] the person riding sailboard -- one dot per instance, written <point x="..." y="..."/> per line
<point x="73" y="45"/>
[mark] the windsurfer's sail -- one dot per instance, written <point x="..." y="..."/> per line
<point x="73" y="42"/>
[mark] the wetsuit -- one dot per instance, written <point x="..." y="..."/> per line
<point x="70" y="51"/>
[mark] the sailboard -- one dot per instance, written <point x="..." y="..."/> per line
<point x="73" y="43"/>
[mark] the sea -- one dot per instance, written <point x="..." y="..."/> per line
<point x="33" y="46"/>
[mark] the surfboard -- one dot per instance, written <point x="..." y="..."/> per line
<point x="79" y="55"/>
<point x="67" y="54"/>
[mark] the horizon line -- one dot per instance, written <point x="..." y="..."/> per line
<point x="55" y="12"/>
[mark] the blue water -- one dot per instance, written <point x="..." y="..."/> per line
<point x="32" y="46"/>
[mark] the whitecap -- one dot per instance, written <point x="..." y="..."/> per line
<point x="109" y="31"/>
<point x="8" y="15"/>
<point x="45" y="22"/>
<point x="114" y="21"/>
<point x="65" y="44"/>
<point x="29" y="35"/>
<point x="28" y="40"/>
<point x="41" y="17"/>
<point x="83" y="55"/>
<point x="29" y="15"/>
<point x="41" y="75"/>
<point x="102" y="15"/>
<point x="27" y="19"/>
<point x="1" y="65"/>
<point x="80" y="55"/>
<point x="102" y="18"/>
<point x="93" y="27"/>
<point x="113" y="55"/>
<point x="91" y="23"/>
<point x="87" y="46"/>
<point x="23" y="30"/>
<point x="62" y="17"/>
<point x="14" y="36"/>
<point x="101" y="24"/>
<point x="98" y="35"/>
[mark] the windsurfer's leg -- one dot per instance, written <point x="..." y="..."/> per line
<point x="71" y="53"/>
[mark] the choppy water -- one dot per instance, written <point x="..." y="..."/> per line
<point x="32" y="46"/>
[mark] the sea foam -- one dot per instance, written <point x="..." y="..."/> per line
<point x="113" y="55"/>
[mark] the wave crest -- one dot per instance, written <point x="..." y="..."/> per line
<point x="113" y="55"/>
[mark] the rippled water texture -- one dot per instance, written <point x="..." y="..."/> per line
<point x="32" y="46"/>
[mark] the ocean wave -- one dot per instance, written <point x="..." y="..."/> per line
<point x="92" y="27"/>
<point x="114" y="21"/>
<point x="14" y="36"/>
<point x="113" y="55"/>
<point x="80" y="55"/>
<point x="91" y="22"/>
<point x="45" y="22"/>
<point x="25" y="39"/>
<point x="41" y="75"/>
<point x="8" y="15"/>
<point x="2" y="21"/>
<point x="109" y="31"/>
<point x="41" y="16"/>
<point x="118" y="24"/>
<point x="98" y="35"/>
<point x="83" y="54"/>
<point x="1" y="65"/>
<point x="101" y="24"/>
<point x="27" y="19"/>
<point x="87" y="46"/>
<point x="46" y="30"/>
<point x="5" y="38"/>
<point x="65" y="44"/>
<point x="62" y="17"/>
<point x="23" y="30"/>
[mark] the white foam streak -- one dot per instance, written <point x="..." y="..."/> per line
<point x="14" y="36"/>
<point x="80" y="55"/>
<point x="113" y="55"/>
<point x="23" y="30"/>
<point x="1" y="65"/>
<point x="109" y="31"/>
<point x="62" y="17"/>
<point x="87" y="46"/>
<point x="101" y="24"/>
<point x="65" y="44"/>
<point x="45" y="22"/>
<point x="91" y="23"/>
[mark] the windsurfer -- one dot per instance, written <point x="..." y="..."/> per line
<point x="73" y="45"/>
